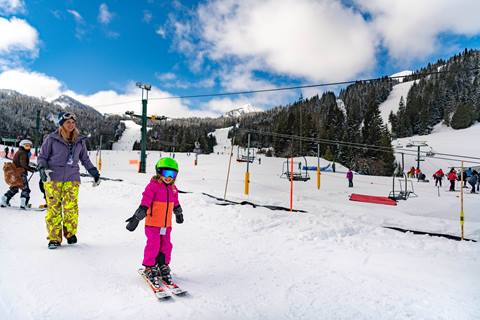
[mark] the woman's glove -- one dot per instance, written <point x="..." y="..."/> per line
<point x="96" y="176"/>
<point x="44" y="173"/>
<point x="178" y="214"/>
<point x="139" y="214"/>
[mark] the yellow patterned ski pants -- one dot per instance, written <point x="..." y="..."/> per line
<point x="61" y="195"/>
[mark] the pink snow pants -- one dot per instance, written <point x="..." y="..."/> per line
<point x="157" y="243"/>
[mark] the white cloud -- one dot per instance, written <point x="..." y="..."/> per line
<point x="315" y="40"/>
<point x="80" y="30"/>
<point x="165" y="76"/>
<point x="18" y="40"/>
<point x="77" y="16"/>
<point x="8" y="7"/>
<point x="31" y="83"/>
<point x="410" y="29"/>
<point x="104" y="15"/>
<point x="147" y="16"/>
<point x="107" y="101"/>
<point x="161" y="32"/>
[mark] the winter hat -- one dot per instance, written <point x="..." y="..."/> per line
<point x="25" y="142"/>
<point x="64" y="116"/>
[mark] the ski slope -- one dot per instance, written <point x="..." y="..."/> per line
<point x="392" y="103"/>
<point x="131" y="134"/>
<point x="224" y="145"/>
<point x="238" y="262"/>
<point x="443" y="139"/>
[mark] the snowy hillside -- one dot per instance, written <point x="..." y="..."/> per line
<point x="131" y="134"/>
<point x="248" y="108"/>
<point x="224" y="144"/>
<point x="392" y="103"/>
<point x="336" y="261"/>
<point x="66" y="101"/>
<point x="443" y="139"/>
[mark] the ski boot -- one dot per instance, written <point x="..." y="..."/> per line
<point x="53" y="244"/>
<point x="165" y="274"/>
<point x="23" y="203"/>
<point x="72" y="239"/>
<point x="5" y="202"/>
<point x="152" y="273"/>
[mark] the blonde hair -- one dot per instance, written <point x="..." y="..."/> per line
<point x="68" y="137"/>
<point x="158" y="177"/>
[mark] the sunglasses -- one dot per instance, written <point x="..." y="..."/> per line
<point x="167" y="173"/>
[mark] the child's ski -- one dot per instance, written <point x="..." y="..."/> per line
<point x="159" y="290"/>
<point x="174" y="289"/>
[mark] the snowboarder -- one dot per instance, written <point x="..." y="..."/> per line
<point x="350" y="178"/>
<point x="452" y="177"/>
<point x="159" y="202"/>
<point x="473" y="180"/>
<point x="438" y="176"/>
<point x="21" y="164"/>
<point x="58" y="160"/>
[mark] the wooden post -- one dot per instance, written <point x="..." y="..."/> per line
<point x="228" y="172"/>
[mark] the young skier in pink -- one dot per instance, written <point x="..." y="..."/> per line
<point x="159" y="202"/>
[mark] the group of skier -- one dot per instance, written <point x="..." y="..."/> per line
<point x="58" y="167"/>
<point x="469" y="175"/>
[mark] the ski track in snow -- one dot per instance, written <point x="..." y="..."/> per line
<point x="239" y="262"/>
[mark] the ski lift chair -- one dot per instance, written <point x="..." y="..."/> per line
<point x="242" y="156"/>
<point x="297" y="174"/>
<point x="404" y="193"/>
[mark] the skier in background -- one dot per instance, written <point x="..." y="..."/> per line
<point x="452" y="177"/>
<point x="438" y="176"/>
<point x="159" y="202"/>
<point x="350" y="178"/>
<point x="6" y="151"/>
<point x="473" y="180"/>
<point x="21" y="160"/>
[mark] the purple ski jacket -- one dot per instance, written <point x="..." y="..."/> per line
<point x="350" y="175"/>
<point x="55" y="154"/>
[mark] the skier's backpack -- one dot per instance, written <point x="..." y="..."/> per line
<point x="13" y="175"/>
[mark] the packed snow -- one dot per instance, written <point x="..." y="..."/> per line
<point x="446" y="140"/>
<point x="392" y="103"/>
<point x="336" y="261"/>
<point x="131" y="134"/>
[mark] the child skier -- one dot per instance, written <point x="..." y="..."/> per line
<point x="350" y="178"/>
<point x="159" y="201"/>
<point x="21" y="163"/>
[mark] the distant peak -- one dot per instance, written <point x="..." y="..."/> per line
<point x="240" y="111"/>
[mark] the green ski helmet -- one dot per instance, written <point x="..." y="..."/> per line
<point x="166" y="163"/>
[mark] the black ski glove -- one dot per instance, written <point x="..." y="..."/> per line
<point x="139" y="214"/>
<point x="44" y="173"/>
<point x="96" y="175"/>
<point x="178" y="214"/>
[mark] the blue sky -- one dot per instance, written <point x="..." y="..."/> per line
<point x="96" y="50"/>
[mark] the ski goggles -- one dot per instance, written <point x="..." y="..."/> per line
<point x="69" y="116"/>
<point x="167" y="173"/>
